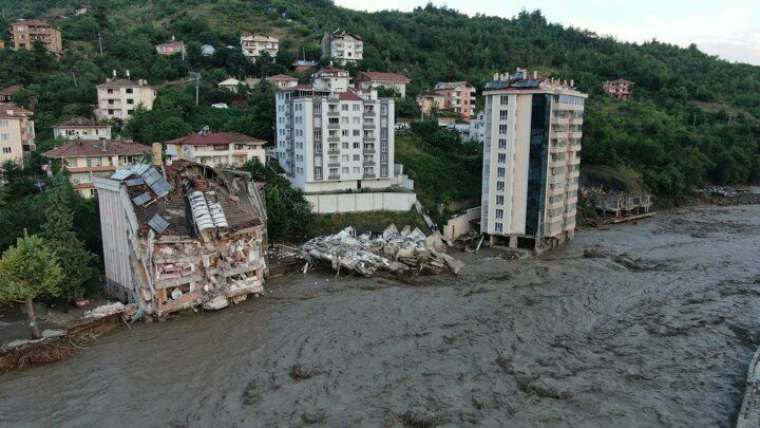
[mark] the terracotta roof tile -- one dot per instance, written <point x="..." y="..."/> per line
<point x="98" y="148"/>
<point x="377" y="75"/>
<point x="215" y="138"/>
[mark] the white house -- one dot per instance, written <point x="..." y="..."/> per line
<point x="217" y="148"/>
<point x="80" y="128"/>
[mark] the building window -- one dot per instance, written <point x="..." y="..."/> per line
<point x="7" y="150"/>
<point x="3" y="123"/>
<point x="4" y="137"/>
<point x="502" y="158"/>
<point x="502" y="143"/>
<point x="504" y="100"/>
<point x="499" y="185"/>
<point x="499" y="227"/>
<point x="130" y="101"/>
<point x="344" y="107"/>
<point x="499" y="200"/>
<point x="499" y="213"/>
<point x="501" y="172"/>
<point x="357" y="133"/>
<point x="357" y="158"/>
<point x="503" y="129"/>
<point x="317" y="172"/>
<point x="503" y="115"/>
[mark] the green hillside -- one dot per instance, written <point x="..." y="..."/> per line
<point x="694" y="119"/>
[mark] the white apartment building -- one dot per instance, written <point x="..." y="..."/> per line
<point x="217" y="149"/>
<point x="16" y="133"/>
<point x="342" y="47"/>
<point x="331" y="141"/>
<point x="80" y="128"/>
<point x="119" y="98"/>
<point x="254" y="45"/>
<point x="531" y="160"/>
<point x="331" y="79"/>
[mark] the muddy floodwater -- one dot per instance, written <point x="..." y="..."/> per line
<point x="654" y="327"/>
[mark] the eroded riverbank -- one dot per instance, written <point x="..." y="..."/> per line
<point x="563" y="340"/>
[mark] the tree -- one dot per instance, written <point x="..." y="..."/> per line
<point x="77" y="262"/>
<point x="28" y="271"/>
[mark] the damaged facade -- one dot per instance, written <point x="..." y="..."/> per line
<point x="180" y="236"/>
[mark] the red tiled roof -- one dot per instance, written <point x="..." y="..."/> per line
<point x="388" y="77"/>
<point x="215" y="138"/>
<point x="349" y="96"/>
<point x="97" y="148"/>
<point x="330" y="69"/>
<point x="102" y="168"/>
<point x="81" y="122"/>
<point x="283" y="77"/>
<point x="12" y="110"/>
<point x="10" y="90"/>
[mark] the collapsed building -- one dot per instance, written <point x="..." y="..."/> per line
<point x="180" y="236"/>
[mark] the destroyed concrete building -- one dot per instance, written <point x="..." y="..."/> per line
<point x="180" y="236"/>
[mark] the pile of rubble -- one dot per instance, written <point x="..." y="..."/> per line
<point x="395" y="252"/>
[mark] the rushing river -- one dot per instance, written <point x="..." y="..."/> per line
<point x="659" y="337"/>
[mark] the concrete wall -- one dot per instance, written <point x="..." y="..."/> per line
<point x="460" y="225"/>
<point x="331" y="203"/>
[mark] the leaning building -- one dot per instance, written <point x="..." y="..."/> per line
<point x="531" y="160"/>
<point x="181" y="236"/>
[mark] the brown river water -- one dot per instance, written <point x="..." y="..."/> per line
<point x="661" y="338"/>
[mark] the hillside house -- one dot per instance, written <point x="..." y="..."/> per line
<point x="80" y="128"/>
<point x="16" y="133"/>
<point x="216" y="149"/>
<point x="369" y="80"/>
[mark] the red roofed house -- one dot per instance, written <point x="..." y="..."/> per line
<point x="368" y="80"/>
<point x="216" y="148"/>
<point x="80" y="128"/>
<point x="85" y="159"/>
<point x="283" y="81"/>
<point x="171" y="48"/>
<point x="6" y="95"/>
<point x="16" y="133"/>
<point x="620" y="89"/>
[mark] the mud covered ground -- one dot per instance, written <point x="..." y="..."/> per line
<point x="654" y="326"/>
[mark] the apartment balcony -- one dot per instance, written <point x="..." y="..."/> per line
<point x="369" y="175"/>
<point x="369" y="139"/>
<point x="333" y="139"/>
<point x="576" y="160"/>
<point x="333" y="126"/>
<point x="368" y="150"/>
<point x="367" y="163"/>
<point x="561" y="120"/>
<point x="333" y="177"/>
<point x="333" y="164"/>
<point x="369" y="125"/>
<point x="558" y="147"/>
<point x="333" y="113"/>
<point x="369" y="113"/>
<point x="333" y="151"/>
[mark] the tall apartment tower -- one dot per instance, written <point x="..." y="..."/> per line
<point x="331" y="140"/>
<point x="531" y="160"/>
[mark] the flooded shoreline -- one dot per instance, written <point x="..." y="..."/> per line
<point x="649" y="324"/>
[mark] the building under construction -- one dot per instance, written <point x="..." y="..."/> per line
<point x="180" y="236"/>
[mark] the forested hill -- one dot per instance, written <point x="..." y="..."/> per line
<point x="694" y="119"/>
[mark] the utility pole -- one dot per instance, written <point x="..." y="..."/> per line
<point x="197" y="78"/>
<point x="100" y="42"/>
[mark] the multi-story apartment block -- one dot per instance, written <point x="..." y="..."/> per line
<point x="531" y="160"/>
<point x="254" y="45"/>
<point x="331" y="79"/>
<point x="119" y="98"/>
<point x="333" y="141"/>
<point x="25" y="32"/>
<point x="368" y="80"/>
<point x="477" y="128"/>
<point x="80" y="128"/>
<point x="459" y="97"/>
<point x="282" y="81"/>
<point x="217" y="149"/>
<point x="86" y="159"/>
<point x="16" y="133"/>
<point x="621" y="89"/>
<point x="342" y="47"/>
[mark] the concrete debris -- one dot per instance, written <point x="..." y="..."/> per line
<point x="407" y="251"/>
<point x="106" y="310"/>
